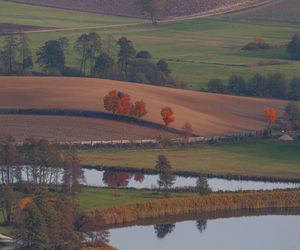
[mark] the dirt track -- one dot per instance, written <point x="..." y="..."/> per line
<point x="209" y="114"/>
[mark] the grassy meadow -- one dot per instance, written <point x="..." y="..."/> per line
<point x="197" y="50"/>
<point x="265" y="158"/>
<point x="92" y="198"/>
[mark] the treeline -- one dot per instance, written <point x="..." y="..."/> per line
<point x="274" y="85"/>
<point x="196" y="204"/>
<point x="96" y="58"/>
<point x="39" y="187"/>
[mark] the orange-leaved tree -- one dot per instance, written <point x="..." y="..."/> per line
<point x="167" y="115"/>
<point x="111" y="101"/>
<point x="139" y="109"/>
<point x="118" y="103"/>
<point x="124" y="105"/>
<point x="270" y="115"/>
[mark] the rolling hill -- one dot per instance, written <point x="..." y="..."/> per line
<point x="209" y="114"/>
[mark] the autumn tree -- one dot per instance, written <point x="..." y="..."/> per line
<point x="187" y="130"/>
<point x="118" y="103"/>
<point x="167" y="115"/>
<point x="139" y="109"/>
<point x="116" y="179"/>
<point x="166" y="177"/>
<point x="152" y="8"/>
<point x="270" y="115"/>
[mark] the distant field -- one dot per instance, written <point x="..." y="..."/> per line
<point x="209" y="114"/>
<point x="266" y="158"/>
<point x="68" y="129"/>
<point x="197" y="50"/>
<point x="285" y="11"/>
<point x="171" y="8"/>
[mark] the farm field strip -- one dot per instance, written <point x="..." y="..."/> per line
<point x="264" y="158"/>
<point x="209" y="114"/>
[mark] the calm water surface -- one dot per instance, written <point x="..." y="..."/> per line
<point x="273" y="232"/>
<point x="95" y="178"/>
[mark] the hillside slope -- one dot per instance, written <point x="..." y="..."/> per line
<point x="173" y="8"/>
<point x="209" y="114"/>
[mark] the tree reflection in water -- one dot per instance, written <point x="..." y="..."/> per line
<point x="201" y="225"/>
<point x="162" y="230"/>
<point x="115" y="179"/>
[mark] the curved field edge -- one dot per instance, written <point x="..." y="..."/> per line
<point x="159" y="208"/>
<point x="209" y="114"/>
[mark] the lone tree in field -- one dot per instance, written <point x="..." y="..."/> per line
<point x="51" y="56"/>
<point x="270" y="115"/>
<point x="187" y="130"/>
<point x="167" y="115"/>
<point x="166" y="176"/>
<point x="202" y="186"/>
<point x="152" y="8"/>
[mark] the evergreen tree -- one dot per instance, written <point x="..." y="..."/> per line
<point x="166" y="176"/>
<point x="202" y="186"/>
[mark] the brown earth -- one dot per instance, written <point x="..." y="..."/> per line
<point x="172" y="8"/>
<point x="70" y="129"/>
<point x="209" y="114"/>
<point x="14" y="28"/>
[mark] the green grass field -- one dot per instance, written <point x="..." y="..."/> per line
<point x="266" y="158"/>
<point x="92" y="198"/>
<point x="197" y="50"/>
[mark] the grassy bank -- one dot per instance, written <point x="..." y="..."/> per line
<point x="198" y="204"/>
<point x="94" y="198"/>
<point x="203" y="48"/>
<point x="263" y="158"/>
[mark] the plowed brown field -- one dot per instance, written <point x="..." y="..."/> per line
<point x="209" y="114"/>
<point x="70" y="129"/>
<point x="173" y="8"/>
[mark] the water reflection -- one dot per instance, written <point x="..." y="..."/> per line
<point x="272" y="232"/>
<point x="137" y="180"/>
<point x="201" y="225"/>
<point x="162" y="230"/>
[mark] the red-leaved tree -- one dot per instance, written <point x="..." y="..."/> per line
<point x="167" y="115"/>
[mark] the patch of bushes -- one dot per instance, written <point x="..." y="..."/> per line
<point x="257" y="44"/>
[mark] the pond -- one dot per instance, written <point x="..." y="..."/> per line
<point x="100" y="178"/>
<point x="267" y="232"/>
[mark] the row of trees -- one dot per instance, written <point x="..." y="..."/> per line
<point x="40" y="220"/>
<point x="118" y="102"/>
<point x="96" y="58"/>
<point x="274" y="85"/>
